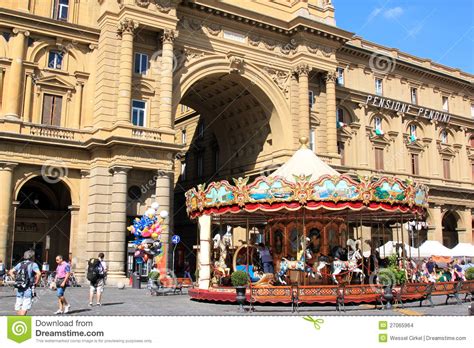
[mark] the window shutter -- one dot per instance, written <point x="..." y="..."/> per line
<point x="378" y="159"/>
<point x="47" y="106"/>
<point x="446" y="169"/>
<point x="56" y="112"/>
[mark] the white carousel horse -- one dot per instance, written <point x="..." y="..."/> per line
<point x="350" y="265"/>
<point x="297" y="265"/>
<point x="222" y="243"/>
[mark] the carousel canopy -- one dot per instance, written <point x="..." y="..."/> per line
<point x="433" y="248"/>
<point x="463" y="249"/>
<point x="305" y="163"/>
<point x="307" y="182"/>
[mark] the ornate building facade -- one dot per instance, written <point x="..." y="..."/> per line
<point x="106" y="106"/>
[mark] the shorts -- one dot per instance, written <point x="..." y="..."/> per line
<point x="60" y="291"/>
<point x="98" y="287"/>
<point x="23" y="300"/>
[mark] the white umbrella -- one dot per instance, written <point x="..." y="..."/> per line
<point x="463" y="249"/>
<point x="434" y="248"/>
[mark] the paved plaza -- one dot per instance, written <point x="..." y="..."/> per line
<point x="139" y="302"/>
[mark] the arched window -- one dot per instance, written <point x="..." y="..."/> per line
<point x="413" y="133"/>
<point x="444" y="136"/>
<point x="471" y="141"/>
<point x="378" y="125"/>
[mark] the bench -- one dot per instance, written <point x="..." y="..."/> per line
<point x="468" y="289"/>
<point x="320" y="294"/>
<point x="410" y="292"/>
<point x="272" y="294"/>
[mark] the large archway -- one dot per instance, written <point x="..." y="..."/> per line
<point x="240" y="125"/>
<point x="450" y="233"/>
<point x="42" y="220"/>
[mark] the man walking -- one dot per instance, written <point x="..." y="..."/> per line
<point x="27" y="275"/>
<point x="266" y="258"/>
<point x="96" y="274"/>
<point x="63" y="271"/>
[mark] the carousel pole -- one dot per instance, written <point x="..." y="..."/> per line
<point x="361" y="241"/>
<point x="383" y="237"/>
<point x="304" y="246"/>
<point x="247" y="240"/>
<point x="403" y="238"/>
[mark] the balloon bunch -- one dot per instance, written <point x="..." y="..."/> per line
<point x="147" y="231"/>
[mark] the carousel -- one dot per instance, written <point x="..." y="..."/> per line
<point x="300" y="231"/>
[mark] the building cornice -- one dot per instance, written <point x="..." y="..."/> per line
<point x="350" y="48"/>
<point x="294" y="26"/>
<point x="47" y="26"/>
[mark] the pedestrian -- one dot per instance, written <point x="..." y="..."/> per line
<point x="187" y="270"/>
<point x="63" y="271"/>
<point x="27" y="275"/>
<point x="458" y="271"/>
<point x="266" y="258"/>
<point x="3" y="270"/>
<point x="96" y="274"/>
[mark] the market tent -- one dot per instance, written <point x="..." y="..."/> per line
<point x="434" y="248"/>
<point x="390" y="248"/>
<point x="304" y="162"/>
<point x="463" y="249"/>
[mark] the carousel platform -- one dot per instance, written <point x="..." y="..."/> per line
<point x="337" y="294"/>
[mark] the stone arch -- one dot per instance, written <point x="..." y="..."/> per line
<point x="420" y="132"/>
<point x="265" y="88"/>
<point x="451" y="136"/>
<point x="31" y="175"/>
<point x="44" y="47"/>
<point x="348" y="113"/>
<point x="385" y="119"/>
<point x="450" y="225"/>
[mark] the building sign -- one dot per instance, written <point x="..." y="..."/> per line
<point x="398" y="106"/>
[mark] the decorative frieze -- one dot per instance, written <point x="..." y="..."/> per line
<point x="161" y="5"/>
<point x="281" y="78"/>
<point x="127" y="25"/>
<point x="324" y="50"/>
<point x="168" y="35"/>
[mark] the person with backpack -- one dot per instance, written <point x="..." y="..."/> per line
<point x="63" y="271"/>
<point x="27" y="275"/>
<point x="96" y="274"/>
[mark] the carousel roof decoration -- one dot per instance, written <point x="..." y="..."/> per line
<point x="306" y="181"/>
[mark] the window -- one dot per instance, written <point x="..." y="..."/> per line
<point x="378" y="87"/>
<point x="472" y="110"/>
<point x="199" y="162"/>
<point x="340" y="118"/>
<point x="311" y="99"/>
<point x="61" y="9"/>
<point x="444" y="137"/>
<point x="340" y="76"/>
<point x="413" y="133"/>
<point x="141" y="63"/>
<point x="183" y="136"/>
<point x="414" y="164"/>
<point x="183" y="170"/>
<point x="414" y="95"/>
<point x="378" y="158"/>
<point x="471" y="142"/>
<point x="446" y="169"/>
<point x="340" y="151"/>
<point x="201" y="129"/>
<point x="312" y="139"/>
<point x="52" y="105"/>
<point x="55" y="60"/>
<point x="378" y="126"/>
<point x="445" y="103"/>
<point x="138" y="113"/>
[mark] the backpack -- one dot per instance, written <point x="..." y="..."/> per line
<point x="94" y="268"/>
<point x="22" y="277"/>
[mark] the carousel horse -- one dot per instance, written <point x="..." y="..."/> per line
<point x="222" y="243"/>
<point x="297" y="265"/>
<point x="340" y="265"/>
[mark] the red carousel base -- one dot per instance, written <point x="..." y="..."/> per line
<point x="331" y="294"/>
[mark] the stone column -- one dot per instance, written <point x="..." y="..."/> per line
<point x="435" y="231"/>
<point x="126" y="28"/>
<point x="465" y="232"/>
<point x="164" y="197"/>
<point x="204" y="225"/>
<point x="28" y="95"/>
<point x="76" y="118"/>
<point x="6" y="176"/>
<point x="331" y="114"/>
<point x="295" y="107"/>
<point x="14" y="92"/>
<point x="81" y="238"/>
<point x="74" y="252"/>
<point x="118" y="222"/>
<point x="165" y="119"/>
<point x="303" y="89"/>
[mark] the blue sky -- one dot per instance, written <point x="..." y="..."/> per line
<point x="441" y="30"/>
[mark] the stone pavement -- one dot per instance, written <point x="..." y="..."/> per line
<point x="139" y="302"/>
